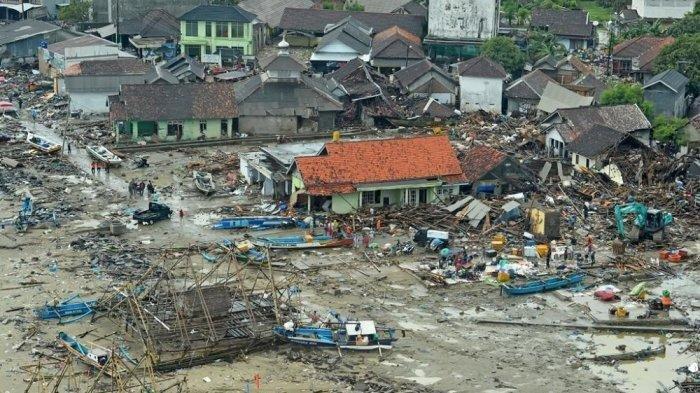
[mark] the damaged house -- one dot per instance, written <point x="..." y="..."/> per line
<point x="635" y="57"/>
<point x="363" y="91"/>
<point x="424" y="79"/>
<point x="490" y="171"/>
<point x="349" y="175"/>
<point x="563" y="71"/>
<point x="155" y="34"/>
<point x="282" y="100"/>
<point x="342" y="42"/>
<point x="566" y="125"/>
<point x="524" y="94"/>
<point x="90" y="83"/>
<point x="395" y="48"/>
<point x="304" y="27"/>
<point x="591" y="150"/>
<point x="667" y="93"/>
<point x="138" y="113"/>
<point x="481" y="85"/>
<point x="268" y="168"/>
<point x="571" y="28"/>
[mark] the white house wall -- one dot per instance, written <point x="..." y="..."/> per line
<point x="662" y="9"/>
<point x="463" y="19"/>
<point x="480" y="93"/>
<point x="90" y="102"/>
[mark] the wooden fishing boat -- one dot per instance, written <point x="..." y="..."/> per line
<point x="100" y="153"/>
<point x="204" y="182"/>
<point x="71" y="307"/>
<point x="42" y="144"/>
<point x="94" y="355"/>
<point x="351" y="335"/>
<point x="549" y="284"/>
<point x="255" y="222"/>
<point x="641" y="354"/>
<point x="301" y="242"/>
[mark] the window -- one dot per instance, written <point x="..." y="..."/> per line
<point x="208" y="29"/>
<point x="191" y="28"/>
<point x="174" y="128"/>
<point x="412" y="197"/>
<point x="221" y="29"/>
<point x="444" y="191"/>
<point x="588" y="163"/>
<point x="203" y="126"/>
<point x="237" y="29"/>
<point x="224" y="127"/>
<point x="371" y="197"/>
<point x="193" y="50"/>
<point x="576" y="158"/>
<point x="423" y="195"/>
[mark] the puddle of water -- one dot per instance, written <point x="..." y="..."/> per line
<point x="421" y="379"/>
<point x="644" y="375"/>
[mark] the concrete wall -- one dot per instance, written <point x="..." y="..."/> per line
<point x="581" y="161"/>
<point x="662" y="9"/>
<point x="190" y="131"/>
<point x="267" y="125"/>
<point x="521" y="105"/>
<point x="90" y="102"/>
<point x="480" y="93"/>
<point x="666" y="101"/>
<point x="463" y="19"/>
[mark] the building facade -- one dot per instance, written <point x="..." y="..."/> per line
<point x="662" y="9"/>
<point x="456" y="28"/>
<point x="220" y="34"/>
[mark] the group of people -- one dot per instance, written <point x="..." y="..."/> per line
<point x="96" y="167"/>
<point x="138" y="188"/>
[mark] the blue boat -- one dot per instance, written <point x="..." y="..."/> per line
<point x="350" y="335"/>
<point x="301" y="242"/>
<point x="256" y="222"/>
<point x="71" y="307"/>
<point x="94" y="355"/>
<point x="537" y="286"/>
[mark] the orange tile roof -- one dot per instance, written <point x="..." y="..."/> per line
<point x="479" y="160"/>
<point x="344" y="165"/>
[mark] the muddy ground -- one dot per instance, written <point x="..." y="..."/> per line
<point x="445" y="348"/>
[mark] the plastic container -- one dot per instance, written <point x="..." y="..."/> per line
<point x="675" y="257"/>
<point x="663" y="254"/>
<point x="542" y="249"/>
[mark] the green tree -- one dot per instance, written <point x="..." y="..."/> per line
<point x="542" y="43"/>
<point x="522" y="15"/>
<point x="506" y="53"/>
<point x="683" y="55"/>
<point x="627" y="93"/>
<point x="76" y="11"/>
<point x="666" y="128"/>
<point x="643" y="29"/>
<point x="689" y="24"/>
<point x="353" y="6"/>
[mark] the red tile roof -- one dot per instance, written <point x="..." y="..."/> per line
<point x="478" y="160"/>
<point x="344" y="165"/>
<point x="643" y="48"/>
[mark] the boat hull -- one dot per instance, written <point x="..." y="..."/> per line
<point x="108" y="158"/>
<point x="299" y="243"/>
<point x="204" y="182"/>
<point x="543" y="285"/>
<point x="42" y="145"/>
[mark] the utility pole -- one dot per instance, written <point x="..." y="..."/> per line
<point x="22" y="16"/>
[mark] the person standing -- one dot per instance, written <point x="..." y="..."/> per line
<point x="92" y="168"/>
<point x="131" y="189"/>
<point x="69" y="150"/>
<point x="151" y="188"/>
<point x="142" y="186"/>
<point x="181" y="213"/>
<point x="99" y="167"/>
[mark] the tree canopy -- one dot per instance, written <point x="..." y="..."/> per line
<point x="76" y="11"/>
<point x="542" y="43"/>
<point x="666" y="128"/>
<point x="627" y="93"/>
<point x="683" y="55"/>
<point x="506" y="53"/>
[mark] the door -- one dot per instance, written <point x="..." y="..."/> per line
<point x="423" y="195"/>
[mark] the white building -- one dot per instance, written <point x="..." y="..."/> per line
<point x="463" y="19"/>
<point x="662" y="9"/>
<point x="481" y="85"/>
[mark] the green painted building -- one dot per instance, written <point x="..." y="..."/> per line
<point x="165" y="112"/>
<point x="347" y="176"/>
<point x="210" y="31"/>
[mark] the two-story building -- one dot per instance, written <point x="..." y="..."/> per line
<point x="667" y="92"/>
<point x="220" y="34"/>
<point x="456" y="28"/>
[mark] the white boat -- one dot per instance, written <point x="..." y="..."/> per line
<point x="103" y="155"/>
<point x="41" y="144"/>
<point x="204" y="182"/>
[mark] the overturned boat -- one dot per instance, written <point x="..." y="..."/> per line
<point x="204" y="182"/>
<point x="537" y="286"/>
<point x="42" y="144"/>
<point x="102" y="154"/>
